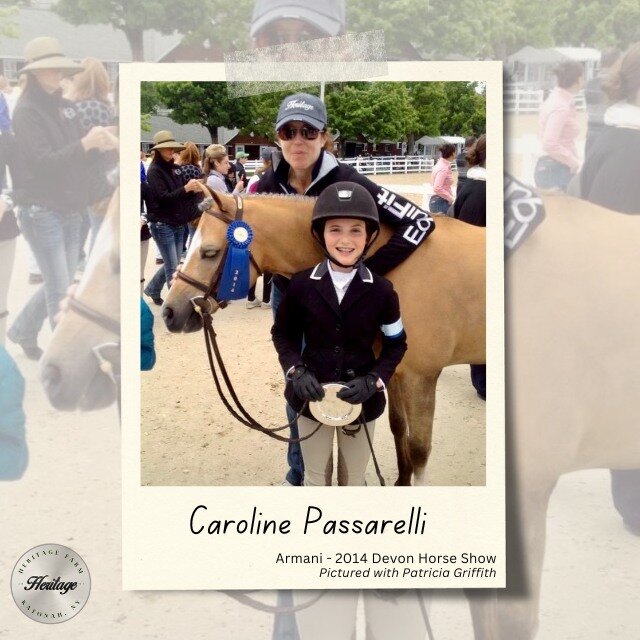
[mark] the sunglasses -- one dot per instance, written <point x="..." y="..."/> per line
<point x="288" y="132"/>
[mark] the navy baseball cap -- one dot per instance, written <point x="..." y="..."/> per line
<point x="303" y="107"/>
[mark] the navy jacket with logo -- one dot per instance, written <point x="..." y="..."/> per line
<point x="411" y="223"/>
<point x="339" y="337"/>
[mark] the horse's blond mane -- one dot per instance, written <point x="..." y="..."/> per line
<point x="280" y="196"/>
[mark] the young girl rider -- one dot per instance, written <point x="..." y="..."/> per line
<point x="339" y="308"/>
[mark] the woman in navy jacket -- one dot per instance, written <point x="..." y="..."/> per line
<point x="340" y="307"/>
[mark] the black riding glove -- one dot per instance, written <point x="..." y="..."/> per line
<point x="359" y="389"/>
<point x="306" y="385"/>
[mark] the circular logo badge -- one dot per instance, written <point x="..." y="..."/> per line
<point x="50" y="583"/>
<point x="240" y="234"/>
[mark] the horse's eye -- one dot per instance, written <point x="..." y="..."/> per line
<point x="208" y="252"/>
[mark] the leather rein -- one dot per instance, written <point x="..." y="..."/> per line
<point x="203" y="307"/>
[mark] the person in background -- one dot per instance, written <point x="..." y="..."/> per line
<point x="8" y="233"/>
<point x="216" y="168"/>
<point x="171" y="204"/>
<point x="559" y="129"/>
<point x="191" y="169"/>
<point x="147" y="348"/>
<point x="265" y="156"/>
<point x="609" y="178"/>
<point x="145" y="234"/>
<point x="595" y="96"/>
<point x="89" y="91"/>
<point x="461" y="161"/>
<point x="5" y="133"/>
<point x="14" y="455"/>
<point x="442" y="180"/>
<point x="57" y="174"/>
<point x="471" y="207"/>
<point x="241" y="160"/>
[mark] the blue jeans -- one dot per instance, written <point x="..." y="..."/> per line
<point x="295" y="475"/>
<point x="438" y="205"/>
<point x="170" y="240"/>
<point x="54" y="239"/>
<point x="551" y="174"/>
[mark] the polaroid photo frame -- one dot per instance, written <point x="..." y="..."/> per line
<point x="184" y="528"/>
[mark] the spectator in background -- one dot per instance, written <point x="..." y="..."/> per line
<point x="14" y="455"/>
<point x="89" y="91"/>
<point x="610" y="179"/>
<point x="471" y="206"/>
<point x="145" y="234"/>
<point x="559" y="129"/>
<point x="8" y="233"/>
<point x="216" y="168"/>
<point x="471" y="198"/>
<point x="190" y="162"/>
<point x="241" y="160"/>
<point x="265" y="156"/>
<point x="147" y="347"/>
<point x="5" y="133"/>
<point x="461" y="161"/>
<point x="57" y="174"/>
<point x="171" y="204"/>
<point x="596" y="97"/>
<point x="610" y="173"/>
<point x="442" y="180"/>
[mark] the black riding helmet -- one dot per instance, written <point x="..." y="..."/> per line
<point x="345" y="200"/>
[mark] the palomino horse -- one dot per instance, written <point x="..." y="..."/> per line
<point x="572" y="384"/>
<point x="441" y="289"/>
<point x="78" y="368"/>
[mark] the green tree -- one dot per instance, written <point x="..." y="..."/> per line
<point x="150" y="100"/>
<point x="134" y="18"/>
<point x="428" y="101"/>
<point x="378" y="110"/>
<point x="465" y="112"/>
<point x="205" y="103"/>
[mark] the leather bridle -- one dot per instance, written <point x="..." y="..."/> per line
<point x="210" y="289"/>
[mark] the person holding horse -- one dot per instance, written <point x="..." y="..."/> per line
<point x="340" y="307"/>
<point x="305" y="165"/>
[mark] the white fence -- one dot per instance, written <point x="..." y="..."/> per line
<point x="377" y="164"/>
<point x="523" y="100"/>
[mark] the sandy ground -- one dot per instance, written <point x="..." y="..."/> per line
<point x="188" y="438"/>
<point x="71" y="494"/>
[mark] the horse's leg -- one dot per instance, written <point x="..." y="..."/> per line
<point x="412" y="400"/>
<point x="512" y="614"/>
<point x="420" y="402"/>
<point x="398" y="424"/>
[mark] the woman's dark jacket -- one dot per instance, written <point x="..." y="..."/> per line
<point x="48" y="164"/>
<point x="166" y="199"/>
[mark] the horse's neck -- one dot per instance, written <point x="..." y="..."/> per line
<point x="283" y="241"/>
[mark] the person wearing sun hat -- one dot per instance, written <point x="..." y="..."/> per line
<point x="56" y="171"/>
<point x="171" y="204"/>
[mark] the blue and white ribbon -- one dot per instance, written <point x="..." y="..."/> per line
<point x="234" y="284"/>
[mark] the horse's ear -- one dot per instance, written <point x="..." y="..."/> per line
<point x="220" y="201"/>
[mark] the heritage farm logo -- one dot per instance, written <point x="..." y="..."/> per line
<point x="50" y="583"/>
